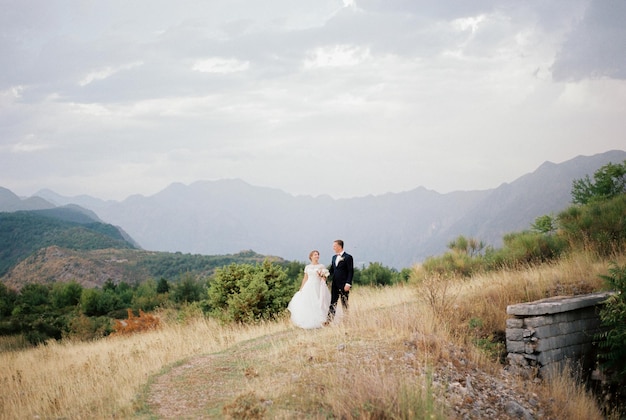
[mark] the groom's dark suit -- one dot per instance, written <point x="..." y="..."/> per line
<point x="341" y="274"/>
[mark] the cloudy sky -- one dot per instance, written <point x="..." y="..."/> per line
<point x="339" y="97"/>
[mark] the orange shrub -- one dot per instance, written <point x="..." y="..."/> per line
<point x="133" y="324"/>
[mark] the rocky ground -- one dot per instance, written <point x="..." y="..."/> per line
<point x="473" y="393"/>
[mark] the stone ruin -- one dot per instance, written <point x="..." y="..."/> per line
<point x="548" y="334"/>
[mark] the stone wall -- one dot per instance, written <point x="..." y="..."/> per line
<point x="546" y="334"/>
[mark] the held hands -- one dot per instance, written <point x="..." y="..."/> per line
<point x="347" y="288"/>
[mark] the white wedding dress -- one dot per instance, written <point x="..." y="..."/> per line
<point x="309" y="306"/>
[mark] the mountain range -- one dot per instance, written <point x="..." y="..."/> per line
<point x="395" y="229"/>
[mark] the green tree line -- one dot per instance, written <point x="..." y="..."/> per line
<point x="236" y="292"/>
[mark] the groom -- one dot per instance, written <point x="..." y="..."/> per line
<point x="341" y="271"/>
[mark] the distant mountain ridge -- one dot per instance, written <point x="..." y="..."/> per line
<point x="395" y="229"/>
<point x="11" y="202"/>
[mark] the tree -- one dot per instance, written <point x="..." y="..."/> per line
<point x="65" y="295"/>
<point x="109" y="285"/>
<point x="544" y="224"/>
<point x="89" y="302"/>
<point x="7" y="300"/>
<point x="377" y="275"/>
<point x="96" y="302"/>
<point x="608" y="182"/>
<point x="188" y="289"/>
<point x="162" y="286"/>
<point x="33" y="298"/>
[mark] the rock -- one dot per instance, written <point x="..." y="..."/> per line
<point x="514" y="409"/>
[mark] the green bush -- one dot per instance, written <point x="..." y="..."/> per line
<point x="7" y="300"/>
<point x="247" y="293"/>
<point x="375" y="274"/>
<point x="464" y="258"/>
<point x="599" y="226"/>
<point x="612" y="342"/>
<point x="65" y="294"/>
<point x="452" y="263"/>
<point x="189" y="289"/>
<point x="527" y="247"/>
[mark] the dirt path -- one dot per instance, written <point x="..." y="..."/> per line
<point x="200" y="386"/>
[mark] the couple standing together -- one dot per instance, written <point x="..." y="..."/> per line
<point x="314" y="305"/>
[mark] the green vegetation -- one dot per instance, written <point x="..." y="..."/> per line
<point x="170" y="265"/>
<point x="247" y="288"/>
<point x="24" y="232"/>
<point x="596" y="223"/>
<point x="612" y="341"/>
<point x="609" y="181"/>
<point x="376" y="274"/>
<point x="246" y="293"/>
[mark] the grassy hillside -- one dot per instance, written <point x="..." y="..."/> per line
<point x="25" y="232"/>
<point x="397" y="354"/>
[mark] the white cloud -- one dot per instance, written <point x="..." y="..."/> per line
<point x="220" y="65"/>
<point x="106" y="72"/>
<point x="10" y="95"/>
<point x="336" y="56"/>
<point x="468" y="23"/>
<point x="29" y="145"/>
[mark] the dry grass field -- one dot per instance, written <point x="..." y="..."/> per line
<point x="422" y="350"/>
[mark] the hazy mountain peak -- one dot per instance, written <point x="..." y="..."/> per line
<point x="10" y="202"/>
<point x="396" y="229"/>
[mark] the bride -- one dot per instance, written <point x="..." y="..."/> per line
<point x="309" y="306"/>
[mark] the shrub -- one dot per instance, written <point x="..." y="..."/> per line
<point x="599" y="226"/>
<point x="376" y="274"/>
<point x="452" y="263"/>
<point x="612" y="345"/>
<point x="189" y="289"/>
<point x="86" y="328"/>
<point x="463" y="259"/>
<point x="527" y="247"/>
<point x="247" y="293"/>
<point x="608" y="181"/>
<point x="134" y="324"/>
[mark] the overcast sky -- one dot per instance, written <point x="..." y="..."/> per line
<point x="346" y="98"/>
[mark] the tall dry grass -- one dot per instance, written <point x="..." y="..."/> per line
<point x="376" y="363"/>
<point x="101" y="379"/>
<point x="372" y="364"/>
<point x="480" y="302"/>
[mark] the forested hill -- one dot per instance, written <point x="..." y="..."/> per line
<point x="93" y="268"/>
<point x="70" y="244"/>
<point x="24" y="232"/>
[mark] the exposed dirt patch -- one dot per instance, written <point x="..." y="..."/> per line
<point x="201" y="386"/>
<point x="194" y="389"/>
